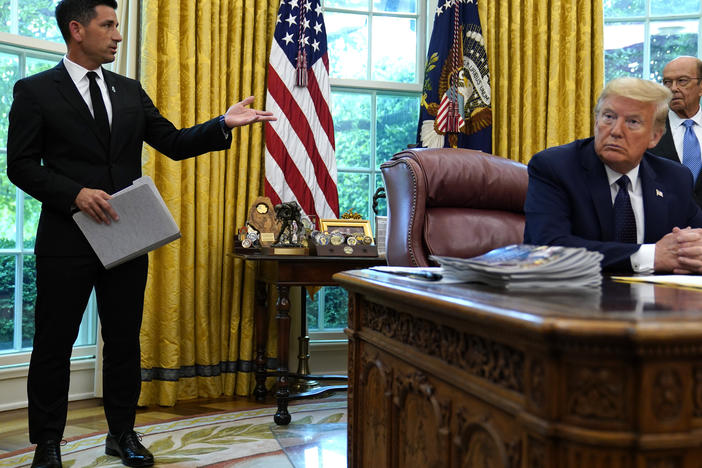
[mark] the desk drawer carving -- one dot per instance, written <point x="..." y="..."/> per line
<point x="406" y="417"/>
<point x="498" y="363"/>
<point x="433" y="389"/>
<point x="697" y="392"/>
<point x="596" y="393"/>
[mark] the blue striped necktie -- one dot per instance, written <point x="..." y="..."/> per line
<point x="691" y="149"/>
<point x="624" y="220"/>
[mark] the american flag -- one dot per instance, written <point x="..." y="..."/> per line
<point x="300" y="161"/>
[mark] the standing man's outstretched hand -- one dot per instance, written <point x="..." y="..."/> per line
<point x="238" y="114"/>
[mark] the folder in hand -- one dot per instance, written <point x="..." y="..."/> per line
<point x="144" y="224"/>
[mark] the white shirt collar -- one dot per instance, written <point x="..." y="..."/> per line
<point x="633" y="174"/>
<point x="78" y="72"/>
<point x="676" y="121"/>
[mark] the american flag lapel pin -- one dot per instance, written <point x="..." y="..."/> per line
<point x="659" y="193"/>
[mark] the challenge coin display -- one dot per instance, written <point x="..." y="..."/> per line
<point x="336" y="238"/>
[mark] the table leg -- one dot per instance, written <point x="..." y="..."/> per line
<point x="303" y="349"/>
<point x="261" y="328"/>
<point x="282" y="318"/>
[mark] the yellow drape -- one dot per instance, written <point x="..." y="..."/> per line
<point x="198" y="57"/>
<point x="546" y="68"/>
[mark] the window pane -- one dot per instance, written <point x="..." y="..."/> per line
<point x="29" y="294"/>
<point x="394" y="49"/>
<point x="9" y="73"/>
<point x="347" y="41"/>
<point x="396" y="124"/>
<point x="667" y="7"/>
<point x="670" y="39"/>
<point x="7" y="301"/>
<point x="350" y="4"/>
<point x="623" y="8"/>
<point x="623" y="43"/>
<point x="352" y="117"/>
<point x="5" y="16"/>
<point x="312" y="306"/>
<point x="32" y="208"/>
<point x="36" y="19"/>
<point x="7" y="208"/>
<point x="336" y="301"/>
<point x="36" y="65"/>
<point x="353" y="193"/>
<point x="402" y="6"/>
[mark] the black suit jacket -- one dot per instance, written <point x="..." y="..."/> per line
<point x="666" y="148"/>
<point x="54" y="148"/>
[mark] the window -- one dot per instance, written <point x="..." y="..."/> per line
<point x="641" y="36"/>
<point x="376" y="90"/>
<point x="30" y="42"/>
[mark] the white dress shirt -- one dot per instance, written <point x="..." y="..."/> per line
<point x="79" y="75"/>
<point x="643" y="259"/>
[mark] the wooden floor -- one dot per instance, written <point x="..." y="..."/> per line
<point x="87" y="417"/>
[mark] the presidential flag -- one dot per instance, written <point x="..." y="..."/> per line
<point x="455" y="107"/>
<point x="300" y="161"/>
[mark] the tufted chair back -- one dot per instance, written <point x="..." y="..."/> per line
<point x="451" y="202"/>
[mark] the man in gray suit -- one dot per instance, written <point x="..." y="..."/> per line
<point x="681" y="141"/>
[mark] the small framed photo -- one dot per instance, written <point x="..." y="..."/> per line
<point x="346" y="226"/>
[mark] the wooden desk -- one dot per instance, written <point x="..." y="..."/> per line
<point x="283" y="272"/>
<point x="469" y="376"/>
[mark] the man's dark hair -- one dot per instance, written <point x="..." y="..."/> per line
<point x="82" y="11"/>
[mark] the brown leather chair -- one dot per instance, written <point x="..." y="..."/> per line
<point x="451" y="202"/>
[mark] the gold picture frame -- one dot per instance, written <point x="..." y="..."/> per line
<point x="346" y="226"/>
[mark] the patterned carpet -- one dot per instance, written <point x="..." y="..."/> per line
<point x="240" y="439"/>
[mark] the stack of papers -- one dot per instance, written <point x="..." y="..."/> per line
<point x="527" y="266"/>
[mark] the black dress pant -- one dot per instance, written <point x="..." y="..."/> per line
<point x="63" y="289"/>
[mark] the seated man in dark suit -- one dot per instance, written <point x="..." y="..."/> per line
<point x="680" y="142"/>
<point x="574" y="189"/>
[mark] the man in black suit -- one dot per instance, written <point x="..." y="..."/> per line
<point x="75" y="136"/>
<point x="683" y="76"/>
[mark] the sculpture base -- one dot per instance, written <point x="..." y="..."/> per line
<point x="285" y="251"/>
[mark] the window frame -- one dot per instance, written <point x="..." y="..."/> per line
<point x="424" y="22"/>
<point x="18" y="356"/>
<point x="646" y="20"/>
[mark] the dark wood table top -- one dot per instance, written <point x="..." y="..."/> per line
<point x="306" y="270"/>
<point x="633" y="310"/>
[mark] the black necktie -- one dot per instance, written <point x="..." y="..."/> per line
<point x="624" y="220"/>
<point x="99" y="111"/>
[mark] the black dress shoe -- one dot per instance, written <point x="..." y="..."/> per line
<point x="128" y="447"/>
<point x="47" y="455"/>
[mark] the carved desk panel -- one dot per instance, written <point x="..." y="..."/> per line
<point x="471" y="376"/>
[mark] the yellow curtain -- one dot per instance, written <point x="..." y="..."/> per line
<point x="198" y="57"/>
<point x="546" y="68"/>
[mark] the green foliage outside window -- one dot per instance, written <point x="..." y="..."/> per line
<point x="35" y="18"/>
<point x="7" y="298"/>
<point x="627" y="61"/>
<point x="637" y="8"/>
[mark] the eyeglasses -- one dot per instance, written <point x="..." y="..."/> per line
<point x="682" y="81"/>
<point x="609" y="118"/>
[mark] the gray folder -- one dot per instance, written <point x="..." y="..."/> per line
<point x="144" y="224"/>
